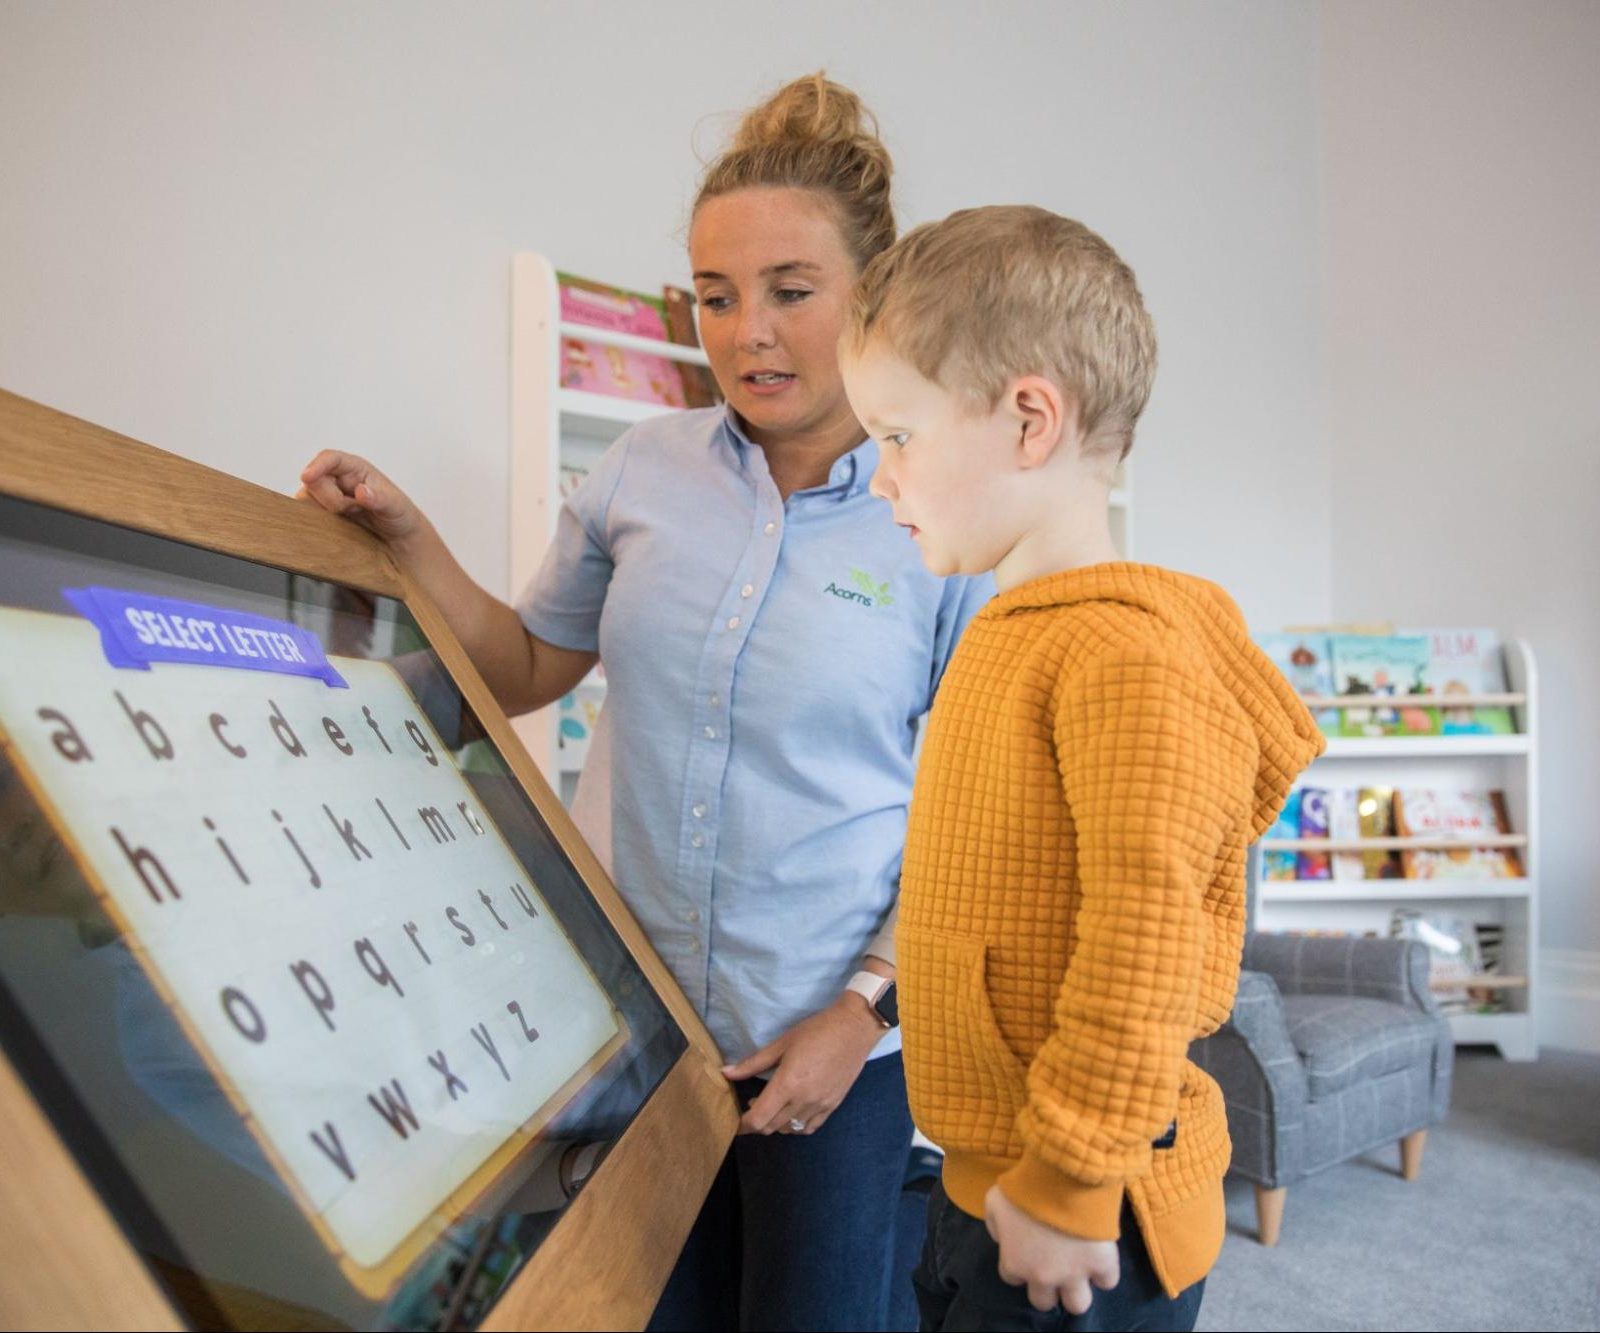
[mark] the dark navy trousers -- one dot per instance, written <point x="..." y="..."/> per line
<point x="959" y="1285"/>
<point x="798" y="1232"/>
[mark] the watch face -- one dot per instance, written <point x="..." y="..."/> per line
<point x="888" y="1006"/>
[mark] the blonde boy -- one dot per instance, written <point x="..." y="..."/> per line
<point x="1106" y="742"/>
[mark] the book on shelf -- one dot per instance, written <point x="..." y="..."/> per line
<point x="1466" y="661"/>
<point x="1344" y="823"/>
<point x="1420" y="669"/>
<point x="1456" y="957"/>
<point x="1314" y="824"/>
<point x="1375" y="819"/>
<point x="1392" y="665"/>
<point x="1284" y="865"/>
<point x="616" y="372"/>
<point x="699" y="385"/>
<point x="1347" y="814"/>
<point x="1423" y="812"/>
<point x="1303" y="659"/>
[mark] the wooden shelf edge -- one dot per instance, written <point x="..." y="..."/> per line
<point x="1488" y="842"/>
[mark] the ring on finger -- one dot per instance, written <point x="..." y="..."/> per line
<point x="797" y="1126"/>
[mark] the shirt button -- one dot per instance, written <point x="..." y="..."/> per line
<point x="733" y="622"/>
<point x="747" y="589"/>
<point x="770" y="529"/>
<point x="699" y="840"/>
<point x="691" y="915"/>
<point x="715" y="700"/>
<point x="694" y="946"/>
<point x="711" y="733"/>
<point x="700" y="810"/>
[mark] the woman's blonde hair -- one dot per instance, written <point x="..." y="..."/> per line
<point x="814" y="134"/>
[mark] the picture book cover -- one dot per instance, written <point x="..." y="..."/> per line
<point x="1375" y="812"/>
<point x="1453" y="952"/>
<point x="1384" y="664"/>
<point x="1467" y="661"/>
<point x="1344" y="823"/>
<point x="1457" y="816"/>
<point x="699" y="385"/>
<point x="1284" y="865"/>
<point x="1314" y="824"/>
<point x="1304" y="661"/>
<point x="616" y="371"/>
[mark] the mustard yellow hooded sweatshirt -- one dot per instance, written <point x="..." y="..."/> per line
<point x="1105" y="744"/>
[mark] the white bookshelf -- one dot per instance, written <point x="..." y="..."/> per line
<point x="1505" y="763"/>
<point x="551" y="426"/>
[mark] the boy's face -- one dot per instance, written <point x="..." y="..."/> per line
<point x="948" y="471"/>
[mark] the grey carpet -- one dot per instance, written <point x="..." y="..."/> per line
<point x="1500" y="1231"/>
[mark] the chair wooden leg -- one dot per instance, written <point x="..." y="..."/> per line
<point x="1411" y="1154"/>
<point x="1269" y="1213"/>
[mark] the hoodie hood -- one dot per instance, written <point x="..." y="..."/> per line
<point x="1213" y="630"/>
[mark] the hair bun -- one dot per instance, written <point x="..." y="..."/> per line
<point x="814" y="134"/>
<point x="813" y="108"/>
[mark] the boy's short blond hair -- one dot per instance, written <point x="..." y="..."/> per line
<point x="991" y="294"/>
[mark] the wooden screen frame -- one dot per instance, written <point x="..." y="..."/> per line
<point x="608" y="1256"/>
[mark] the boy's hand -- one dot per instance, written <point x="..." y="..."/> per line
<point x="348" y="485"/>
<point x="1055" y="1267"/>
<point x="817" y="1061"/>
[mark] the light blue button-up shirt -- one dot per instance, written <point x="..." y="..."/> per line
<point x="767" y="662"/>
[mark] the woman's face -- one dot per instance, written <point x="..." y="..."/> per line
<point x="774" y="281"/>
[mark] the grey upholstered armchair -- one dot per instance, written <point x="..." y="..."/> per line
<point x="1334" y="1047"/>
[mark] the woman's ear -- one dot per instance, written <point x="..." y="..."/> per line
<point x="1044" y="417"/>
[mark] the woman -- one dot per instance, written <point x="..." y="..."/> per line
<point x="770" y="640"/>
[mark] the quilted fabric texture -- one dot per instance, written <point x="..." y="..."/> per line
<point x="1344" y="1040"/>
<point x="1105" y="744"/>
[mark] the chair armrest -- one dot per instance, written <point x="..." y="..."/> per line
<point x="1394" y="970"/>
<point x="1262" y="1080"/>
<point x="1258" y="1020"/>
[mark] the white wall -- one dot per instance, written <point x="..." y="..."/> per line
<point x="1463" y="231"/>
<point x="246" y="232"/>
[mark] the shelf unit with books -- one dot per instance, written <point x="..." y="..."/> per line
<point x="1506" y="763"/>
<point x="559" y="432"/>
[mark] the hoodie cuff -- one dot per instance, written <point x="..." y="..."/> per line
<point x="1090" y="1212"/>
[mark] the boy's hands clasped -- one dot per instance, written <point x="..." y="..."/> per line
<point x="1056" y="1268"/>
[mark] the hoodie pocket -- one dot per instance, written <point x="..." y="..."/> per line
<point x="967" y="1085"/>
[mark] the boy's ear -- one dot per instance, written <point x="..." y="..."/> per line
<point x="1044" y="417"/>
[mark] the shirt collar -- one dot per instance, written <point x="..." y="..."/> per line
<point x="851" y="473"/>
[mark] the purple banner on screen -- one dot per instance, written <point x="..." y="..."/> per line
<point x="137" y="629"/>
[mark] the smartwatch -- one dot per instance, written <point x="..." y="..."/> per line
<point x="879" y="993"/>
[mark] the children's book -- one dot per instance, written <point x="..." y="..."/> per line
<point x="1456" y="815"/>
<point x="1393" y="665"/>
<point x="1303" y="659"/>
<point x="1314" y="824"/>
<point x="699" y="385"/>
<point x="1344" y="821"/>
<point x="1467" y="661"/>
<point x="1284" y="865"/>
<point x="1375" y="811"/>
<point x="616" y="371"/>
<point x="1453" y="953"/>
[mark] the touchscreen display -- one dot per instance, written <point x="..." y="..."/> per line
<point x="295" y="966"/>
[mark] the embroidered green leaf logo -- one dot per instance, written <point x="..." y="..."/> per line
<point x="879" y="592"/>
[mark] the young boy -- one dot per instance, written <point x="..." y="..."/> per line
<point x="1106" y="742"/>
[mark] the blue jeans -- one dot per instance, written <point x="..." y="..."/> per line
<point x="959" y="1284"/>
<point x="798" y="1231"/>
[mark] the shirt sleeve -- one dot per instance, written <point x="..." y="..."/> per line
<point x="562" y="604"/>
<point x="1141" y="750"/>
<point x="963" y="597"/>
